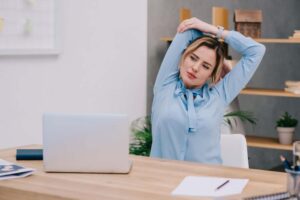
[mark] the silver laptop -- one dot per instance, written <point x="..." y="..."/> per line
<point x="92" y="143"/>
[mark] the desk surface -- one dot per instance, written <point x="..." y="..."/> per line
<point x="149" y="179"/>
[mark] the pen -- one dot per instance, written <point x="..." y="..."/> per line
<point x="286" y="163"/>
<point x="220" y="186"/>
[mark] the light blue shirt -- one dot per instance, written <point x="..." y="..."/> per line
<point x="186" y="122"/>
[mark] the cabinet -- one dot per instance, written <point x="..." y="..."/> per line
<point x="262" y="142"/>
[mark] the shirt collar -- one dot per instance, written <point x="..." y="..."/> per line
<point x="191" y="98"/>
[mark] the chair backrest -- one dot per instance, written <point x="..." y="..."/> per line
<point x="234" y="150"/>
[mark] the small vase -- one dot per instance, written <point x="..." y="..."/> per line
<point x="285" y="134"/>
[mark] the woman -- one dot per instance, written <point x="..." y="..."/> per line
<point x="187" y="111"/>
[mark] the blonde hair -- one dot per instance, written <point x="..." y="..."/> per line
<point x="211" y="43"/>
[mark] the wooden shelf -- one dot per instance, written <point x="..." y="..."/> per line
<point x="262" y="40"/>
<point x="268" y="92"/>
<point x="276" y="40"/>
<point x="269" y="143"/>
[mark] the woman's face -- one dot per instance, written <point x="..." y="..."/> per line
<point x="197" y="67"/>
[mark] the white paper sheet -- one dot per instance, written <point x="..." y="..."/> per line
<point x="206" y="186"/>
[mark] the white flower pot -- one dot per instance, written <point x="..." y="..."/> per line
<point x="285" y="134"/>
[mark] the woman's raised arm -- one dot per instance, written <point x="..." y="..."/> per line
<point x="168" y="71"/>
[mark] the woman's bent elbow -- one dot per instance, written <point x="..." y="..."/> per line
<point x="261" y="50"/>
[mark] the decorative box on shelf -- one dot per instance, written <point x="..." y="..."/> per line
<point x="248" y="22"/>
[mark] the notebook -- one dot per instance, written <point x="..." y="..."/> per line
<point x="275" y="196"/>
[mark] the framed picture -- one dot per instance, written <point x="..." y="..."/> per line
<point x="29" y="27"/>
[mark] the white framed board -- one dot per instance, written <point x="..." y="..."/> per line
<point x="29" y="27"/>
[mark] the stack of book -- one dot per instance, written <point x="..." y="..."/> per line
<point x="296" y="35"/>
<point x="292" y="86"/>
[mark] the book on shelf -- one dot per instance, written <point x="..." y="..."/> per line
<point x="293" y="90"/>
<point x="296" y="35"/>
<point x="292" y="86"/>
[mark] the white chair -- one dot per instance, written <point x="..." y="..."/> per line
<point x="234" y="150"/>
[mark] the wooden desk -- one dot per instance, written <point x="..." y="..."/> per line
<point x="149" y="179"/>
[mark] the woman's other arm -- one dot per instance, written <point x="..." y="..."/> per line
<point x="252" y="53"/>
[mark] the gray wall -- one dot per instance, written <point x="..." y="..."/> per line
<point x="281" y="62"/>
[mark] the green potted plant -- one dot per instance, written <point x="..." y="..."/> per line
<point x="286" y="125"/>
<point x="141" y="140"/>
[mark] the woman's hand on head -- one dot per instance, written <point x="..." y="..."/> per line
<point x="195" y="23"/>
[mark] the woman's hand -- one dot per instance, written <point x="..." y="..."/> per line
<point x="194" y="23"/>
